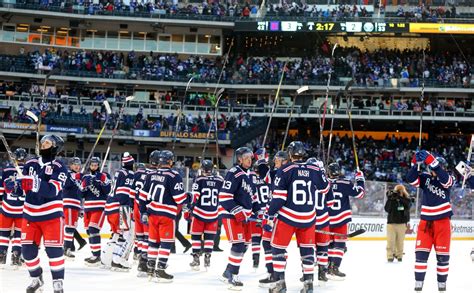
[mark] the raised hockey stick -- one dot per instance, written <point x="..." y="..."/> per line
<point x="38" y="122"/>
<point x="38" y="119"/>
<point x="469" y="156"/>
<point x="321" y="122"/>
<point x="354" y="148"/>
<point x="109" y="111"/>
<point x="219" y="95"/>
<point x="180" y="112"/>
<point x="298" y="91"/>
<point x="10" y="155"/>
<point x="117" y="123"/>
<point x="275" y="103"/>
<point x="422" y="97"/>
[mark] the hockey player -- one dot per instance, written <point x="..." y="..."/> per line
<point x="340" y="214"/>
<point x="118" y="211"/>
<point x="11" y="211"/>
<point x="96" y="186"/>
<point x="203" y="209"/>
<point x="164" y="192"/>
<point x="42" y="184"/>
<point x="323" y="203"/>
<point x="261" y="198"/>
<point x="434" y="228"/>
<point x="72" y="197"/>
<point x="141" y="229"/>
<point x="280" y="159"/>
<point x="293" y="200"/>
<point x="235" y="200"/>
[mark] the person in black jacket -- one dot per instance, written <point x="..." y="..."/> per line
<point x="398" y="209"/>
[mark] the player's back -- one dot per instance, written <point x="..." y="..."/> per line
<point x="206" y="190"/>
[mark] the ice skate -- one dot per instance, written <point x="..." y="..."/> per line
<point x="121" y="266"/>
<point x="267" y="282"/>
<point x="93" y="261"/>
<point x="256" y="261"/>
<point x="3" y="259"/>
<point x="307" y="287"/>
<point x="161" y="276"/>
<point x="322" y="278"/>
<point x="207" y="260"/>
<point x="58" y="286"/>
<point x="16" y="260"/>
<point x="278" y="287"/>
<point x="418" y="286"/>
<point x="36" y="285"/>
<point x="142" y="267"/>
<point x="334" y="273"/>
<point x="195" y="263"/>
<point x="232" y="280"/>
<point x="68" y="254"/>
<point x="441" y="287"/>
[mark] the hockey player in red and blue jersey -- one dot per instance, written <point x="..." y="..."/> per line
<point x="96" y="186"/>
<point x="141" y="229"/>
<point x="72" y="197"/>
<point x="164" y="192"/>
<point x="118" y="211"/>
<point x="268" y="176"/>
<point x="11" y="211"/>
<point x="434" y="229"/>
<point x="323" y="204"/>
<point x="236" y="205"/>
<point x="202" y="211"/>
<point x="340" y="214"/>
<point x="42" y="184"/>
<point x="293" y="201"/>
<point x="262" y="196"/>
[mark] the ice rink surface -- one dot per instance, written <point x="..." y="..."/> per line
<point x="365" y="265"/>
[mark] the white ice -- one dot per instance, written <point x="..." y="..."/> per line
<point x="365" y="265"/>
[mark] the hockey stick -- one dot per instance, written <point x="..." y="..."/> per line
<point x="298" y="91"/>
<point x="10" y="155"/>
<point x="109" y="111"/>
<point x="469" y="156"/>
<point x="219" y="95"/>
<point x="38" y="125"/>
<point x="275" y="102"/>
<point x="349" y="235"/>
<point x="356" y="157"/>
<point x="117" y="123"/>
<point x="180" y="112"/>
<point x="346" y="91"/>
<point x="321" y="123"/>
<point x="422" y="97"/>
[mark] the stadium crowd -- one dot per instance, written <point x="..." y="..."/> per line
<point x="367" y="68"/>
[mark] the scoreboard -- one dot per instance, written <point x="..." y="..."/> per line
<point x="380" y="27"/>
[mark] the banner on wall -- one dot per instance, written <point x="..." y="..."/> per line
<point x="64" y="129"/>
<point x="180" y="135"/>
<point x="376" y="228"/>
<point x="21" y="126"/>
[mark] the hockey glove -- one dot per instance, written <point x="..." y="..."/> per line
<point x="239" y="214"/>
<point x="144" y="219"/>
<point x="431" y="161"/>
<point x="10" y="184"/>
<point x="77" y="176"/>
<point x="359" y="176"/>
<point x="260" y="215"/>
<point x="413" y="159"/>
<point x="30" y="183"/>
<point x="421" y="156"/>
<point x="187" y="213"/>
<point x="261" y="156"/>
<point x="268" y="223"/>
<point x="86" y="181"/>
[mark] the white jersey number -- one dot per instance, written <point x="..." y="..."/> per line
<point x="302" y="192"/>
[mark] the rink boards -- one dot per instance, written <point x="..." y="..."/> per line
<point x="376" y="229"/>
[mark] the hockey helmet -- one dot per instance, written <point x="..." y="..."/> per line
<point x="75" y="161"/>
<point x="56" y="141"/>
<point x="207" y="166"/>
<point x="20" y="154"/>
<point x="282" y="155"/>
<point x="166" y="157"/>
<point x="243" y="151"/>
<point x="334" y="170"/>
<point x="296" y="149"/>
<point x="154" y="159"/>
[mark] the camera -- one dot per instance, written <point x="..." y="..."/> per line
<point x="392" y="194"/>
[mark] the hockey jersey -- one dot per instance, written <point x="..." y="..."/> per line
<point x="139" y="182"/>
<point x="122" y="193"/>
<point x="340" y="212"/>
<point x="237" y="190"/>
<point x="265" y="173"/>
<point x="12" y="204"/>
<point x="435" y="203"/>
<point x="205" y="197"/>
<point x="164" y="191"/>
<point x="324" y="203"/>
<point x="95" y="194"/>
<point x="47" y="203"/>
<point x="72" y="195"/>
<point x="262" y="192"/>
<point x="293" y="197"/>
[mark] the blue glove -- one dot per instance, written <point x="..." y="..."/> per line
<point x="268" y="223"/>
<point x="10" y="184"/>
<point x="421" y="156"/>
